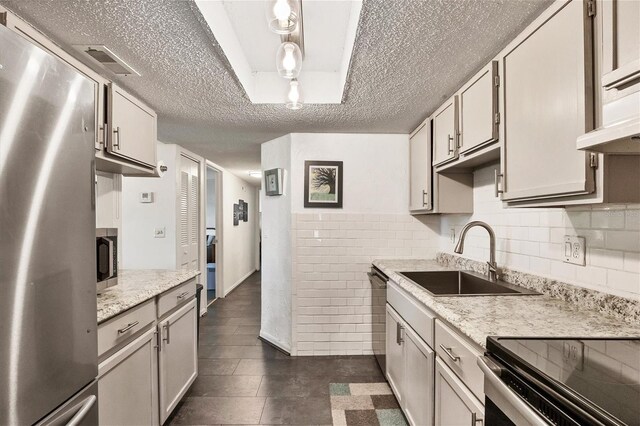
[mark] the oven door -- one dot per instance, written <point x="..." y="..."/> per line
<point x="503" y="406"/>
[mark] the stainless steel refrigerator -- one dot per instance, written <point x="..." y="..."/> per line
<point x="48" y="343"/>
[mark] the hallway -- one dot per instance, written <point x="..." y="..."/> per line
<point x="245" y="381"/>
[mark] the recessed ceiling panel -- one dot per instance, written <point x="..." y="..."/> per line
<point x="240" y="26"/>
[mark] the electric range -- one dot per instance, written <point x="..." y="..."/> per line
<point x="562" y="381"/>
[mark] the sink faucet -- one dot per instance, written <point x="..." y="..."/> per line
<point x="493" y="266"/>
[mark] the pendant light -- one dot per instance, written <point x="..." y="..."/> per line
<point x="289" y="60"/>
<point x="282" y="15"/>
<point x="294" y="97"/>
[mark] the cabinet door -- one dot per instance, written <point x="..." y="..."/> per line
<point x="178" y="360"/>
<point x="420" y="164"/>
<point x="548" y="103"/>
<point x="131" y="128"/>
<point x="128" y="384"/>
<point x="478" y="102"/>
<point x="620" y="43"/>
<point x="395" y="355"/>
<point x="455" y="404"/>
<point x="445" y="129"/>
<point x="418" y="385"/>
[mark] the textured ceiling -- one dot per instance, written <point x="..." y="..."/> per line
<point x="409" y="55"/>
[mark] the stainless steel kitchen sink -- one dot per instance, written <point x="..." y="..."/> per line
<point x="463" y="283"/>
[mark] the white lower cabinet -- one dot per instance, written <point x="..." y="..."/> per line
<point x="418" y="399"/>
<point x="409" y="363"/>
<point x="128" y="384"/>
<point x="394" y="353"/>
<point x="178" y="356"/>
<point x="455" y="404"/>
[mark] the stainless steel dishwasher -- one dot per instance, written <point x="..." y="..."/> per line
<point x="378" y="281"/>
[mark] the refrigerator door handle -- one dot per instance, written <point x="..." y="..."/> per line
<point x="82" y="412"/>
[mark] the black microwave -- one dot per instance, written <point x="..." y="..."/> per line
<point x="106" y="258"/>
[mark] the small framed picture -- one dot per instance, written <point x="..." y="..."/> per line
<point x="323" y="184"/>
<point x="273" y="182"/>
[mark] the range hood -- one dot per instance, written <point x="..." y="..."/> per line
<point x="622" y="137"/>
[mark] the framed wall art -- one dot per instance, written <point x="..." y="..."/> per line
<point x="323" y="184"/>
<point x="273" y="182"/>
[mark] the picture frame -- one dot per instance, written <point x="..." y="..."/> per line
<point x="323" y="184"/>
<point x="236" y="214"/>
<point x="273" y="182"/>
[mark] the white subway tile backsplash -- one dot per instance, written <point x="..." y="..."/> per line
<point x="608" y="219"/>
<point x="332" y="253"/>
<point x="532" y="240"/>
<point x="623" y="240"/>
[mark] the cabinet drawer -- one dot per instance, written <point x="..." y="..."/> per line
<point x="125" y="325"/>
<point x="176" y="296"/>
<point x="461" y="357"/>
<point x="417" y="316"/>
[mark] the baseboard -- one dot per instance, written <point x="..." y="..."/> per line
<point x="237" y="283"/>
<point x="269" y="339"/>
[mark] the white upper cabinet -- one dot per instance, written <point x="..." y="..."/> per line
<point x="548" y="103"/>
<point x="420" y="168"/>
<point x="445" y="132"/>
<point x="479" y="117"/>
<point x="620" y="43"/>
<point x="131" y="128"/>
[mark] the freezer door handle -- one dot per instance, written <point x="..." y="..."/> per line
<point x="85" y="407"/>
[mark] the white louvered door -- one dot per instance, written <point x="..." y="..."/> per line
<point x="188" y="220"/>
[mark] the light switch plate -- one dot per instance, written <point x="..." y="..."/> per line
<point x="146" y="197"/>
<point x="159" y="232"/>
<point x="574" y="250"/>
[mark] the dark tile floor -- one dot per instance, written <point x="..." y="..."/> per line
<point x="245" y="381"/>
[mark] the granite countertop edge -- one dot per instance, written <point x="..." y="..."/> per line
<point x="478" y="317"/>
<point x="136" y="287"/>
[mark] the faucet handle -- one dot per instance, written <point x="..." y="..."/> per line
<point x="493" y="271"/>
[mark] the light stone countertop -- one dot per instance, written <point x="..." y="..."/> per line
<point x="137" y="286"/>
<point x="478" y="317"/>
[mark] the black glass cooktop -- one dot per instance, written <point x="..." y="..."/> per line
<point x="602" y="372"/>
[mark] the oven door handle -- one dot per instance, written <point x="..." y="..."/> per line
<point x="492" y="374"/>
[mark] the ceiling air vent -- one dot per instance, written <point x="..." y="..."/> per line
<point x="105" y="57"/>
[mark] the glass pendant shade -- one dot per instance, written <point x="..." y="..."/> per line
<point x="282" y="15"/>
<point x="294" y="97"/>
<point x="289" y="60"/>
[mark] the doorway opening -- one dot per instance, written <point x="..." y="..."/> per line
<point x="213" y="222"/>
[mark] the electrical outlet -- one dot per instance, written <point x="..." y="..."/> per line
<point x="159" y="232"/>
<point x="146" y="197"/>
<point x="574" y="250"/>
<point x="573" y="354"/>
<point x="452" y="235"/>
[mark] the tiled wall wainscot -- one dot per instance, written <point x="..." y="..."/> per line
<point x="332" y="296"/>
<point x="531" y="240"/>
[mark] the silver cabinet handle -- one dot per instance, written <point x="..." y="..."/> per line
<point x="497" y="176"/>
<point x="424" y="202"/>
<point x="449" y="144"/>
<point x="82" y="412"/>
<point x="492" y="376"/>
<point x="128" y="327"/>
<point x="183" y="295"/>
<point x="167" y="328"/>
<point x="116" y="143"/>
<point x="458" y="139"/>
<point x="449" y="353"/>
<point x="399" y="329"/>
<point x="105" y="134"/>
